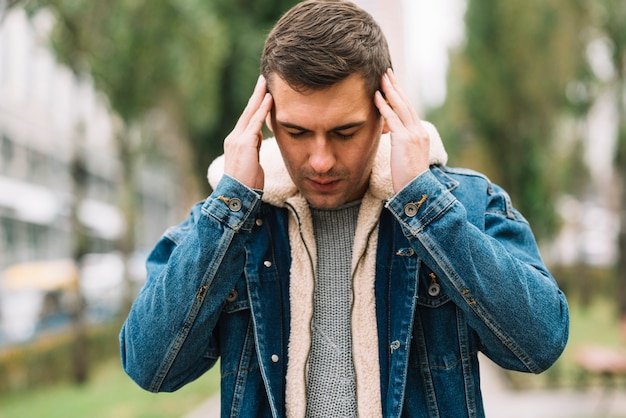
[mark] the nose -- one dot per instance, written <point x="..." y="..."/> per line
<point x="322" y="157"/>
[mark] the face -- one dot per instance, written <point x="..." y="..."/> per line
<point x="328" y="138"/>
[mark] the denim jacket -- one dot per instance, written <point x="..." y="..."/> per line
<point x="457" y="273"/>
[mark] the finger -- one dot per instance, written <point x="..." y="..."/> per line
<point x="391" y="117"/>
<point x="395" y="124"/>
<point x="256" y="121"/>
<point x="398" y="101"/>
<point x="255" y="100"/>
<point x="394" y="82"/>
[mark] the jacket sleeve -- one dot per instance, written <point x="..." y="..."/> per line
<point x="490" y="267"/>
<point x="168" y="337"/>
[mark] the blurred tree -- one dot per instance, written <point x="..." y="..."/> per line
<point x="141" y="55"/>
<point x="78" y="169"/>
<point x="246" y="23"/>
<point x="135" y="69"/>
<point x="609" y="18"/>
<point x="507" y="94"/>
<point x="150" y="59"/>
<point x="177" y="73"/>
<point x="196" y="62"/>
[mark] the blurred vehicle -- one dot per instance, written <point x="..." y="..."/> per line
<point x="41" y="296"/>
<point x="35" y="295"/>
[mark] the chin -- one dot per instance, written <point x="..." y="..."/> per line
<point x="325" y="203"/>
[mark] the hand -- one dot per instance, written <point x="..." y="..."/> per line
<point x="242" y="145"/>
<point x="410" y="144"/>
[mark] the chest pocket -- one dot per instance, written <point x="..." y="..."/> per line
<point x="237" y="299"/>
<point x="430" y="293"/>
<point x="435" y="331"/>
<point x="235" y="331"/>
<point x="232" y="325"/>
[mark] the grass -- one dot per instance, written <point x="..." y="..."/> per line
<point x="595" y="325"/>
<point x="109" y="393"/>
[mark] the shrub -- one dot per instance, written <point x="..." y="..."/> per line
<point x="50" y="358"/>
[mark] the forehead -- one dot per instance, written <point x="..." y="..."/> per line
<point x="345" y="99"/>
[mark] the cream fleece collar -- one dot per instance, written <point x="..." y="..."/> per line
<point x="280" y="191"/>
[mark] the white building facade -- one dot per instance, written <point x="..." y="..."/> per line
<point x="46" y="114"/>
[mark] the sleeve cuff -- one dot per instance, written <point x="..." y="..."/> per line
<point x="420" y="202"/>
<point x="233" y="204"/>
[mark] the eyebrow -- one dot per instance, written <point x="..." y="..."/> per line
<point x="335" y="129"/>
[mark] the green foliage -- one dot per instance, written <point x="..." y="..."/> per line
<point x="133" y="49"/>
<point x="507" y="94"/>
<point x="610" y="19"/>
<point x="48" y="360"/>
<point x="246" y="24"/>
<point x="36" y="381"/>
<point x="195" y="61"/>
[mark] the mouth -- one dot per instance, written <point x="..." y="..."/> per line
<point x="323" y="185"/>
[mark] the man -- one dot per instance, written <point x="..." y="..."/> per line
<point x="342" y="269"/>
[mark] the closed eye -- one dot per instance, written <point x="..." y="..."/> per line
<point x="343" y="136"/>
<point x="296" y="134"/>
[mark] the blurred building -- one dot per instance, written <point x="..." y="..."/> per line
<point x="391" y="15"/>
<point x="47" y="115"/>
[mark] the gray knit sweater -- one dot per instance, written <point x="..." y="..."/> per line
<point x="331" y="387"/>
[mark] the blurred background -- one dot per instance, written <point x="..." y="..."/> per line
<point x="111" y="111"/>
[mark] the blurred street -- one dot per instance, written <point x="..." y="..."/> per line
<point x="502" y="402"/>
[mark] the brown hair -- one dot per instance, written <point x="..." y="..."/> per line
<point x="318" y="43"/>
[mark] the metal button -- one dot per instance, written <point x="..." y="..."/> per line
<point x="232" y="296"/>
<point x="405" y="252"/>
<point x="234" y="204"/>
<point x="434" y="289"/>
<point x="275" y="358"/>
<point x="259" y="222"/>
<point x="394" y="345"/>
<point x="410" y="209"/>
<point x="267" y="263"/>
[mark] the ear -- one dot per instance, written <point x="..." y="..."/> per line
<point x="386" y="129"/>
<point x="268" y="122"/>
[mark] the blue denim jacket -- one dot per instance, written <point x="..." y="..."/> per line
<point x="459" y="275"/>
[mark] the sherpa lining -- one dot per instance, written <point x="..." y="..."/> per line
<point x="281" y="191"/>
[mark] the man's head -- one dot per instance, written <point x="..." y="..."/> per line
<point x="318" y="43"/>
<point x="323" y="62"/>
